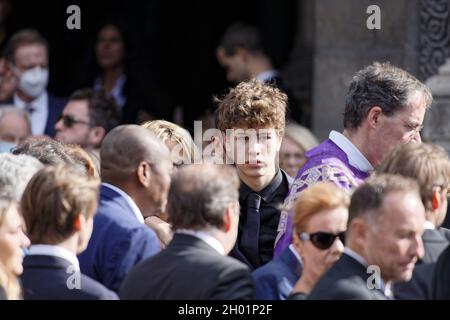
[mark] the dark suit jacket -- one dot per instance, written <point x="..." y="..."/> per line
<point x="47" y="278"/>
<point x="275" y="280"/>
<point x="55" y="108"/>
<point x="188" y="269"/>
<point x="440" y="284"/>
<point x="118" y="242"/>
<point x="419" y="287"/>
<point x="434" y="242"/>
<point x="345" y="280"/>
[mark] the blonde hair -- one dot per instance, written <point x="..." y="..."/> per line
<point x="319" y="197"/>
<point x="166" y="130"/>
<point x="8" y="281"/>
<point x="429" y="164"/>
<point x="301" y="135"/>
<point x="52" y="201"/>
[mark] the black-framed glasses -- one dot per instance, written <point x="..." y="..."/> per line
<point x="322" y="240"/>
<point x="69" y="121"/>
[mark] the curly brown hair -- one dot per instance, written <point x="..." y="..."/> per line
<point x="253" y="104"/>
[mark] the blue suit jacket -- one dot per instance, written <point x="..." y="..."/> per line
<point x="52" y="278"/>
<point x="118" y="242"/>
<point x="275" y="280"/>
<point x="55" y="108"/>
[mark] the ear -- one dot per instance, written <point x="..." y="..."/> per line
<point x="359" y="230"/>
<point x="78" y="223"/>
<point x="297" y="243"/>
<point x="96" y="135"/>
<point x="374" y="117"/>
<point x="243" y="54"/>
<point x="437" y="201"/>
<point x="144" y="174"/>
<point x="227" y="218"/>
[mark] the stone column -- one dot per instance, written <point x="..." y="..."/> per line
<point x="343" y="45"/>
<point x="436" y="124"/>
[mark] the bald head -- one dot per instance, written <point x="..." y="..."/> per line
<point x="126" y="146"/>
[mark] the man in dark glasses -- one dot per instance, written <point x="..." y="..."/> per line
<point x="86" y="119"/>
<point x="386" y="222"/>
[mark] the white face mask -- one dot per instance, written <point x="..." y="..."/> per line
<point x="6" y="146"/>
<point x="33" y="82"/>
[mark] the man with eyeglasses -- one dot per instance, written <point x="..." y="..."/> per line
<point x="27" y="56"/>
<point x="383" y="241"/>
<point x="86" y="119"/>
<point x="384" y="107"/>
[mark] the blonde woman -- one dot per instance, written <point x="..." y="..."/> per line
<point x="296" y="141"/>
<point x="12" y="242"/>
<point x="177" y="139"/>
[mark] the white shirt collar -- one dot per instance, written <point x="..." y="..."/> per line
<point x="291" y="247"/>
<point x="137" y="212"/>
<point x="385" y="286"/>
<point x="429" y="225"/>
<point x="55" y="251"/>
<point x="355" y="157"/>
<point x="38" y="117"/>
<point x="206" y="237"/>
<point x="267" y="75"/>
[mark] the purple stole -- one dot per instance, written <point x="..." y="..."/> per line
<point x="326" y="162"/>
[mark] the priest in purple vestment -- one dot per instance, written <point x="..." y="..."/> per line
<point x="385" y="106"/>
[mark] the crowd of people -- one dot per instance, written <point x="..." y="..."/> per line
<point x="98" y="201"/>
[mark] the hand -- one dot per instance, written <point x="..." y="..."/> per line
<point x="162" y="229"/>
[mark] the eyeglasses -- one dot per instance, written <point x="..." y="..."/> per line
<point x="322" y="240"/>
<point x="69" y="121"/>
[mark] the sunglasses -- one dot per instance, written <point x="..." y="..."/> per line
<point x="69" y="121"/>
<point x="322" y="240"/>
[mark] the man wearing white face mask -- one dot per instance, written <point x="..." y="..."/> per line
<point x="27" y="53"/>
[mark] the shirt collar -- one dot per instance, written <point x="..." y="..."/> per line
<point x="355" y="157"/>
<point x="429" y="225"/>
<point x="39" y="103"/>
<point x="137" y="212"/>
<point x="206" y="237"/>
<point x="291" y="247"/>
<point x="267" y="75"/>
<point x="267" y="193"/>
<point x="55" y="251"/>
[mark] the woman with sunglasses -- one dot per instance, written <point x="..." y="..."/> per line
<point x="320" y="222"/>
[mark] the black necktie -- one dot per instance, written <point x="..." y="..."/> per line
<point x="29" y="108"/>
<point x="250" y="232"/>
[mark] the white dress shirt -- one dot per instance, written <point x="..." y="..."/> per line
<point x="55" y="251"/>
<point x="39" y="116"/>
<point x="117" y="90"/>
<point x="206" y="237"/>
<point x="137" y="212"/>
<point x="355" y="157"/>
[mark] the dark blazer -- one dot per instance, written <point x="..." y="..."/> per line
<point x="345" y="280"/>
<point x="275" y="280"/>
<point x="434" y="242"/>
<point x="419" y="287"/>
<point x="55" y="108"/>
<point x="118" y="242"/>
<point x="188" y="269"/>
<point x="49" y="278"/>
<point x="440" y="284"/>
